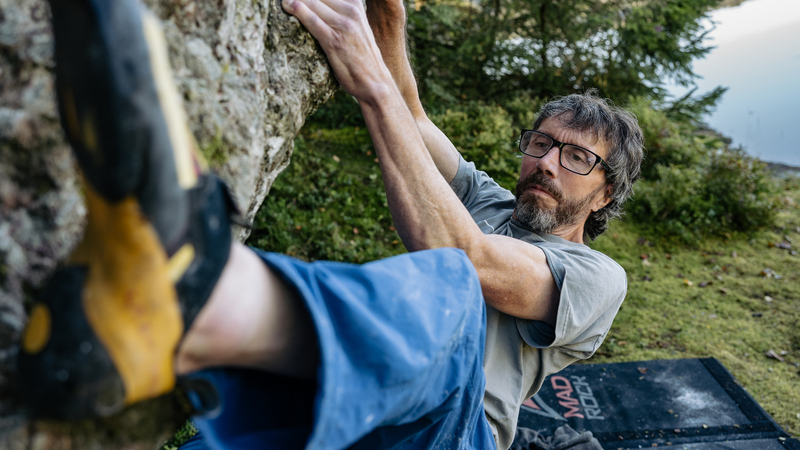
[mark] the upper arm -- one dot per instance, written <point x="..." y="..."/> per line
<point x="516" y="278"/>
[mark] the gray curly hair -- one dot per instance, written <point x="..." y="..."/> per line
<point x="619" y="131"/>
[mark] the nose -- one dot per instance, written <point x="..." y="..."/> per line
<point x="549" y="163"/>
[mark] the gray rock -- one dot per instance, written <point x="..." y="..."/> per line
<point x="249" y="74"/>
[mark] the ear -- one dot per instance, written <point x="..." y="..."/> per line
<point x="603" y="198"/>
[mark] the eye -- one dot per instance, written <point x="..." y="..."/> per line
<point x="579" y="156"/>
<point x="541" y="142"/>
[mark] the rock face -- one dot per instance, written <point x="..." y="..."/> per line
<point x="250" y="75"/>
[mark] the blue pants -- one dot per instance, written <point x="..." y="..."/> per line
<point x="401" y="343"/>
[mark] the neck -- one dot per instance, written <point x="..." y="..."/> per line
<point x="573" y="233"/>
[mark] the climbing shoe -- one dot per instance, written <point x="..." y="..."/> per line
<point x="104" y="331"/>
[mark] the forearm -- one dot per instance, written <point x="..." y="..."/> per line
<point x="387" y="19"/>
<point x="426" y="211"/>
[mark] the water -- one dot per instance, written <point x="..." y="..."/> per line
<point x="757" y="56"/>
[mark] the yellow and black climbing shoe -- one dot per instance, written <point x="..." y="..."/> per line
<point x="104" y="331"/>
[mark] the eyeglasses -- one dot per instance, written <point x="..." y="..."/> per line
<point x="571" y="157"/>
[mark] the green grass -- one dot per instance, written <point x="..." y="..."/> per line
<point x="181" y="436"/>
<point x="329" y="203"/>
<point x="714" y="299"/>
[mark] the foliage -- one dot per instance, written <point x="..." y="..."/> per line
<point x="523" y="109"/>
<point x="484" y="135"/>
<point x="694" y="184"/>
<point x="330" y="202"/>
<point x="341" y="110"/>
<point x="671" y="141"/>
<point x="181" y="436"/>
<point x="691" y="109"/>
<point x="496" y="50"/>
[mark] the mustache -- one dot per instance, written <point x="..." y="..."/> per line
<point x="540" y="181"/>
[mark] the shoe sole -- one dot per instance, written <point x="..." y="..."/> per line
<point x="106" y="329"/>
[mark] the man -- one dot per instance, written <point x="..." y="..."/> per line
<point x="385" y="355"/>
<point x="548" y="304"/>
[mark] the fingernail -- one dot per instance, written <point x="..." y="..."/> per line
<point x="287" y="4"/>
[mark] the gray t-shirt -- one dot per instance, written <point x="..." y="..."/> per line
<point x="520" y="353"/>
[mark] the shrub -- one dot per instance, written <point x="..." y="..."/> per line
<point x="743" y="189"/>
<point x="329" y="203"/>
<point x="667" y="142"/>
<point x="694" y="185"/>
<point x="523" y="108"/>
<point x="485" y="135"/>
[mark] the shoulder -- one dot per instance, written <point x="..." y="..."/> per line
<point x="592" y="288"/>
<point x="577" y="263"/>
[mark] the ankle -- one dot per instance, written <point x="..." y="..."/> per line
<point x="252" y="319"/>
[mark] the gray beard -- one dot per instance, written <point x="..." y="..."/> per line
<point x="529" y="210"/>
<point x="541" y="221"/>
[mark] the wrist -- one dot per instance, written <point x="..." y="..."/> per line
<point x="378" y="94"/>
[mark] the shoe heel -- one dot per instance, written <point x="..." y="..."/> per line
<point x="64" y="372"/>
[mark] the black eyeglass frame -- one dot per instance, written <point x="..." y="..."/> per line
<point x="560" y="145"/>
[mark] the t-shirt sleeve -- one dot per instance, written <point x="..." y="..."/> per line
<point x="592" y="287"/>
<point x="477" y="191"/>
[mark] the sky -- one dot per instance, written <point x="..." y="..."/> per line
<point x="757" y="56"/>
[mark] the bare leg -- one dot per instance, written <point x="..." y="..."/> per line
<point x="252" y="319"/>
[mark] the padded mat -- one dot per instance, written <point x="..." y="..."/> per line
<point x="687" y="403"/>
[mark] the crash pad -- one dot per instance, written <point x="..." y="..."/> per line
<point x="685" y="403"/>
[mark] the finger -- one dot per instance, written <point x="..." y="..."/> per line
<point x="313" y="23"/>
<point x="321" y="10"/>
<point x="346" y="8"/>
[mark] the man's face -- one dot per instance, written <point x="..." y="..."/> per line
<point x="551" y="198"/>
